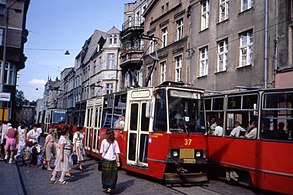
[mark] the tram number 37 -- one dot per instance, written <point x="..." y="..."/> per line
<point x="187" y="142"/>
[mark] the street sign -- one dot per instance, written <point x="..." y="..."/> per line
<point x="4" y="97"/>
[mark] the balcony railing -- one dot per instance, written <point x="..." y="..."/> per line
<point x="136" y="23"/>
<point x="131" y="56"/>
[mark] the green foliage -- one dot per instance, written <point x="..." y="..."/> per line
<point x="19" y="100"/>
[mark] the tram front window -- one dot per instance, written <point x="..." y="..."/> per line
<point x="59" y="117"/>
<point x="185" y="115"/>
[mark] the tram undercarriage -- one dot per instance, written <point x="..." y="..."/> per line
<point x="185" y="173"/>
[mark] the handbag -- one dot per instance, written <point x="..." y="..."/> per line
<point x="29" y="143"/>
<point x="74" y="158"/>
<point x="100" y="165"/>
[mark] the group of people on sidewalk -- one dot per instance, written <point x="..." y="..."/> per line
<point x="61" y="144"/>
<point x="16" y="141"/>
<point x="109" y="152"/>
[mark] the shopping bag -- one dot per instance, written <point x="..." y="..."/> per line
<point x="74" y="158"/>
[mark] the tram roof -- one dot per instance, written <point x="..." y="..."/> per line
<point x="244" y="90"/>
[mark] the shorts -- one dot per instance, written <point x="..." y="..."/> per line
<point x="10" y="144"/>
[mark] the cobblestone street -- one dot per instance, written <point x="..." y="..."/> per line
<point x="88" y="181"/>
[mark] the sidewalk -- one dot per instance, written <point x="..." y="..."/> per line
<point x="10" y="180"/>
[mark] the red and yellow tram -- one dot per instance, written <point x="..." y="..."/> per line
<point x="164" y="132"/>
<point x="263" y="160"/>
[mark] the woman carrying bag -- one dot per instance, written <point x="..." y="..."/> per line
<point x="78" y="146"/>
<point x="110" y="161"/>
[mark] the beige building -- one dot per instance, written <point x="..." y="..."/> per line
<point x="239" y="44"/>
<point x="166" y="22"/>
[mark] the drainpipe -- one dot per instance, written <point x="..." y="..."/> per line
<point x="276" y="39"/>
<point x="266" y="46"/>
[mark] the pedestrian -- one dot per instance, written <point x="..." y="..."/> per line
<point x="11" y="135"/>
<point x="39" y="130"/>
<point x="62" y="158"/>
<point x="4" y="128"/>
<point x="33" y="136"/>
<point x="50" y="147"/>
<point x="78" y="146"/>
<point x="21" y="146"/>
<point x="110" y="161"/>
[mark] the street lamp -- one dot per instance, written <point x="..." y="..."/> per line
<point x="5" y="47"/>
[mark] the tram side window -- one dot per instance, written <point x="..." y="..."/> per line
<point x="215" y="115"/>
<point x="107" y="113"/>
<point x="119" y="111"/>
<point x="277" y="117"/>
<point x="160" y="114"/>
<point x="242" y="116"/>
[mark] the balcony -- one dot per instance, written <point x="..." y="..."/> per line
<point x="131" y="58"/>
<point x="132" y="28"/>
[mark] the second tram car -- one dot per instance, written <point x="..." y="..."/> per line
<point x="50" y="118"/>
<point x="164" y="132"/>
<point x="250" y="138"/>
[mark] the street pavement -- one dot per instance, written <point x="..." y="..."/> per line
<point x="10" y="183"/>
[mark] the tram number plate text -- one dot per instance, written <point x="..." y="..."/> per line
<point x="187" y="142"/>
<point x="189" y="161"/>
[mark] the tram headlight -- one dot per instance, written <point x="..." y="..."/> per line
<point x="175" y="153"/>
<point x="198" y="154"/>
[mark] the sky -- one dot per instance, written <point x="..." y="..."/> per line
<point x="56" y="26"/>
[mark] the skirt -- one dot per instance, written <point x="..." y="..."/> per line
<point x="109" y="174"/>
<point x="62" y="165"/>
<point x="49" y="150"/>
<point x="79" y="154"/>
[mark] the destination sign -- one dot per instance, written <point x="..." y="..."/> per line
<point x="184" y="94"/>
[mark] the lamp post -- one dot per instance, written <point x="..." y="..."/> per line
<point x="5" y="47"/>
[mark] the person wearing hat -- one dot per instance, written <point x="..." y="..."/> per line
<point x="50" y="147"/>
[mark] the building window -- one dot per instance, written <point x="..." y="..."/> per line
<point x="203" y="61"/>
<point x="152" y="46"/>
<point x="164" y="37"/>
<point x="178" y="68"/>
<point x="222" y="56"/>
<point x="205" y="10"/>
<point x="149" y="67"/>
<point x="223" y="10"/>
<point x="113" y="39"/>
<point x="246" y="5"/>
<point x="179" y="27"/>
<point x="109" y="88"/>
<point x="290" y="45"/>
<point x="1" y="36"/>
<point x="110" y="61"/>
<point x="9" y="73"/>
<point x="163" y="71"/>
<point x="246" y="48"/>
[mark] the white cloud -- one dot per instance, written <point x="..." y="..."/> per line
<point x="38" y="82"/>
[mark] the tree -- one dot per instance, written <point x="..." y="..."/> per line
<point x="19" y="100"/>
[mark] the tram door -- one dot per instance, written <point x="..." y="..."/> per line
<point x="97" y="125"/>
<point x="88" y="127"/>
<point x="137" y="146"/>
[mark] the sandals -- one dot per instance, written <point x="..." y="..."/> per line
<point x="53" y="181"/>
<point x="109" y="191"/>
<point x="63" y="182"/>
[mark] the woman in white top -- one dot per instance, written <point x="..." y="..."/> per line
<point x="78" y="145"/>
<point x="110" y="162"/>
<point x="62" y="157"/>
<point x="21" y="140"/>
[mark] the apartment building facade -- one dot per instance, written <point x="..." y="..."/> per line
<point x="132" y="43"/>
<point x="239" y="44"/>
<point x="167" y="23"/>
<point x="13" y="35"/>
